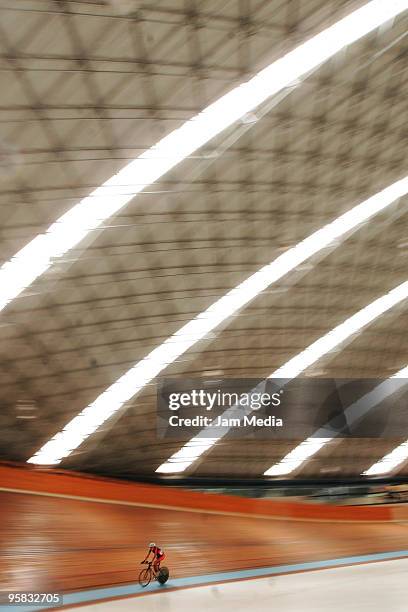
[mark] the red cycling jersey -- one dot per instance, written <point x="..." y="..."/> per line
<point x="157" y="551"/>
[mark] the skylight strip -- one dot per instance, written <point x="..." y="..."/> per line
<point x="389" y="462"/>
<point x="72" y="227"/>
<point x="396" y="457"/>
<point x="342" y="332"/>
<point x="305" y="359"/>
<point x="128" y="385"/>
<point x="312" y="445"/>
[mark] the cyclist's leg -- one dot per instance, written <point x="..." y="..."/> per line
<point x="157" y="562"/>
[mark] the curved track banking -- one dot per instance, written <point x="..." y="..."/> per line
<point x="49" y="543"/>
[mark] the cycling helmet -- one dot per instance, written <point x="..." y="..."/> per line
<point x="152" y="544"/>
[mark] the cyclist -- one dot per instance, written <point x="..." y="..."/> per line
<point x="158" y="556"/>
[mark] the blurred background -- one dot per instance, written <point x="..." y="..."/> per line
<point x="86" y="88"/>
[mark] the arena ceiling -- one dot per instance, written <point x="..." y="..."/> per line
<point x="87" y="87"/>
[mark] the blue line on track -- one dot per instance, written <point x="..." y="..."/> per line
<point x="94" y="595"/>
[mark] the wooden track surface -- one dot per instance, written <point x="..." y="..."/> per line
<point x="90" y="488"/>
<point x="61" y="544"/>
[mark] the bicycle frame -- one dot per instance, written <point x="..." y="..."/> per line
<point x="146" y="574"/>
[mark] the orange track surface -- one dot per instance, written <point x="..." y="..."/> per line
<point x="62" y="544"/>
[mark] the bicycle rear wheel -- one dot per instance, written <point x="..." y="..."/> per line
<point x="163" y="575"/>
<point x="145" y="577"/>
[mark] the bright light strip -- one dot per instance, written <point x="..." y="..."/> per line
<point x="397" y="456"/>
<point x="312" y="445"/>
<point x="308" y="357"/>
<point x="389" y="462"/>
<point x="297" y="456"/>
<point x="111" y="400"/>
<point x="187" y="455"/>
<point x="38" y="255"/>
<point x="342" y="332"/>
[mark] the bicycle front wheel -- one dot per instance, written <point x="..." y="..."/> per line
<point x="145" y="577"/>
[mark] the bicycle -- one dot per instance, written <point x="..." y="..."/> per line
<point x="148" y="574"/>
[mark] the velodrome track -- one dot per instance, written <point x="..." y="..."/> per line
<point x="373" y="588"/>
<point x="53" y="538"/>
